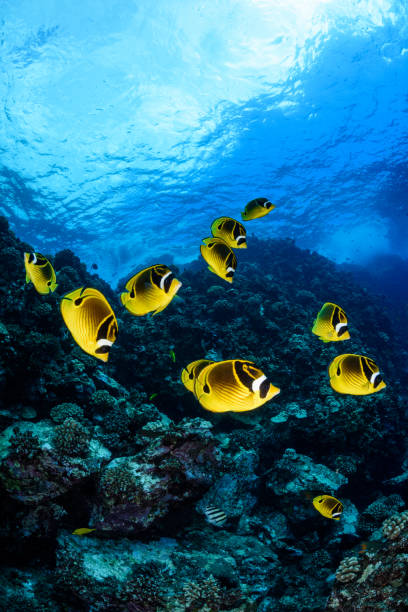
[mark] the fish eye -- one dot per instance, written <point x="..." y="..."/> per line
<point x="78" y="301"/>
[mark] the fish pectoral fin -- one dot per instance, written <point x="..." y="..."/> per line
<point x="211" y="269"/>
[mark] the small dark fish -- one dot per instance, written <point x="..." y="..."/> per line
<point x="172" y="355"/>
<point x="152" y="396"/>
<point x="215" y="516"/>
<point x="94" y="266"/>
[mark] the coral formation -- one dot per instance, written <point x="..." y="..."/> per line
<point x="348" y="569"/>
<point x="123" y="449"/>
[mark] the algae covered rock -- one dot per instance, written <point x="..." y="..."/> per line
<point x="178" y="464"/>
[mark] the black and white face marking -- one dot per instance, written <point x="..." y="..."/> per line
<point x="241" y="240"/>
<point x="166" y="281"/>
<point x="261" y="385"/>
<point x="267" y="204"/>
<point x="103" y="346"/>
<point x="376" y="379"/>
<point x="341" y="329"/>
<point x="32" y="258"/>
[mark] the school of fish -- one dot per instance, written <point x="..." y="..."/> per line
<point x="232" y="385"/>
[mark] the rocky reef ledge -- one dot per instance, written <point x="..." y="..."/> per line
<point x="124" y="450"/>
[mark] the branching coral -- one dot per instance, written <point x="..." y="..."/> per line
<point x="65" y="411"/>
<point x="71" y="438"/>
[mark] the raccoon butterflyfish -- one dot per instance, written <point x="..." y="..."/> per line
<point x="220" y="258"/>
<point x="215" y="516"/>
<point x="233" y="232"/>
<point x="40" y="272"/>
<point x="234" y="385"/>
<point x="331" y="323"/>
<point x="91" y="321"/>
<point x="150" y="290"/>
<point x="190" y="372"/>
<point x="82" y="531"/>
<point x="329" y="506"/>
<point x="355" y="375"/>
<point x="257" y="208"/>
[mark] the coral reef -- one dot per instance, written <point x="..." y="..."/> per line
<point x="378" y="579"/>
<point x="124" y="449"/>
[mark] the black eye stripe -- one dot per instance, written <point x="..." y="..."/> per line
<point x="167" y="282"/>
<point x="336" y="316"/>
<point x="156" y="277"/>
<point x="264" y="388"/>
<point x="368" y="372"/>
<point x="242" y="374"/>
<point x="104" y="328"/>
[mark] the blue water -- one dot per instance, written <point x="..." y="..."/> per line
<point x="127" y="126"/>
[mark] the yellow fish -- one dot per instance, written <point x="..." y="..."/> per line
<point x="233" y="385"/>
<point x="190" y="372"/>
<point x="355" y="375"/>
<point x="233" y="232"/>
<point x="91" y="321"/>
<point x="82" y="531"/>
<point x="40" y="272"/>
<point x="257" y="208"/>
<point x="329" y="506"/>
<point x="220" y="258"/>
<point x="150" y="290"/>
<point x="331" y="323"/>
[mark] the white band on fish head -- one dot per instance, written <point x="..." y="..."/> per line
<point x="103" y="342"/>
<point x="258" y="382"/>
<point x="163" y="279"/>
<point x="373" y="377"/>
<point x="229" y="269"/>
<point x="35" y="259"/>
<point x="339" y="326"/>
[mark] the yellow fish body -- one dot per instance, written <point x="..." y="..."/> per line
<point x="355" y="375"/>
<point x="91" y="321"/>
<point x="40" y="272"/>
<point x="231" y="231"/>
<point x="233" y="385"/>
<point x="190" y="372"/>
<point x="220" y="258"/>
<point x="257" y="208"/>
<point x="150" y="290"/>
<point x="331" y="323"/>
<point x="82" y="531"/>
<point x="328" y="506"/>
